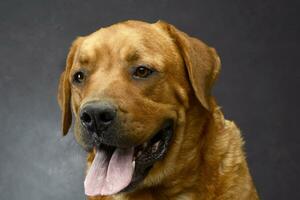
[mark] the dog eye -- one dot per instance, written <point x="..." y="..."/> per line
<point x="142" y="72"/>
<point x="78" y="77"/>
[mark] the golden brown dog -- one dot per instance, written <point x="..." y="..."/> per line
<point x="140" y="94"/>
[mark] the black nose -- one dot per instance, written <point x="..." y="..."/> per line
<point x="97" y="116"/>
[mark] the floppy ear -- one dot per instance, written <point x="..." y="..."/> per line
<point x="64" y="90"/>
<point x="202" y="62"/>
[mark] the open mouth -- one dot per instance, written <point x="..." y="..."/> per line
<point x="117" y="169"/>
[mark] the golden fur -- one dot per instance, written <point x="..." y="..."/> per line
<point x="205" y="159"/>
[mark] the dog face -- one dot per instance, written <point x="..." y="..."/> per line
<point x="129" y="86"/>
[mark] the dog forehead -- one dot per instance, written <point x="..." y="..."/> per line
<point x="128" y="41"/>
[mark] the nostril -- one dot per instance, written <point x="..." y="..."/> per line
<point x="106" y="117"/>
<point x="86" y="118"/>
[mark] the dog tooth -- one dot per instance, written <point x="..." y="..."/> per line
<point x="156" y="145"/>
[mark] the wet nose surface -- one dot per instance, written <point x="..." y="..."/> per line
<point x="98" y="116"/>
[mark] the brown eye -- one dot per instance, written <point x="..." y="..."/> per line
<point x="142" y="72"/>
<point x="78" y="77"/>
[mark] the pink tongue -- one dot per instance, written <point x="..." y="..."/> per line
<point x="106" y="177"/>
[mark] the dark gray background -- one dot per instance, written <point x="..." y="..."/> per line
<point x="258" y="87"/>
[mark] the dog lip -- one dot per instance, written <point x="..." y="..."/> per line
<point x="161" y="137"/>
<point x="98" y="142"/>
<point x="155" y="147"/>
<point x="145" y="161"/>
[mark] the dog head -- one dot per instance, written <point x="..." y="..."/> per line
<point x="129" y="87"/>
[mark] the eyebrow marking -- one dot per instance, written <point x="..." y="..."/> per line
<point x="83" y="59"/>
<point x="132" y="56"/>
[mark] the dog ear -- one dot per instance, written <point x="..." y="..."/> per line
<point x="64" y="90"/>
<point x="202" y="62"/>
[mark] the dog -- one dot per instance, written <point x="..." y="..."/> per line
<point x="141" y="97"/>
